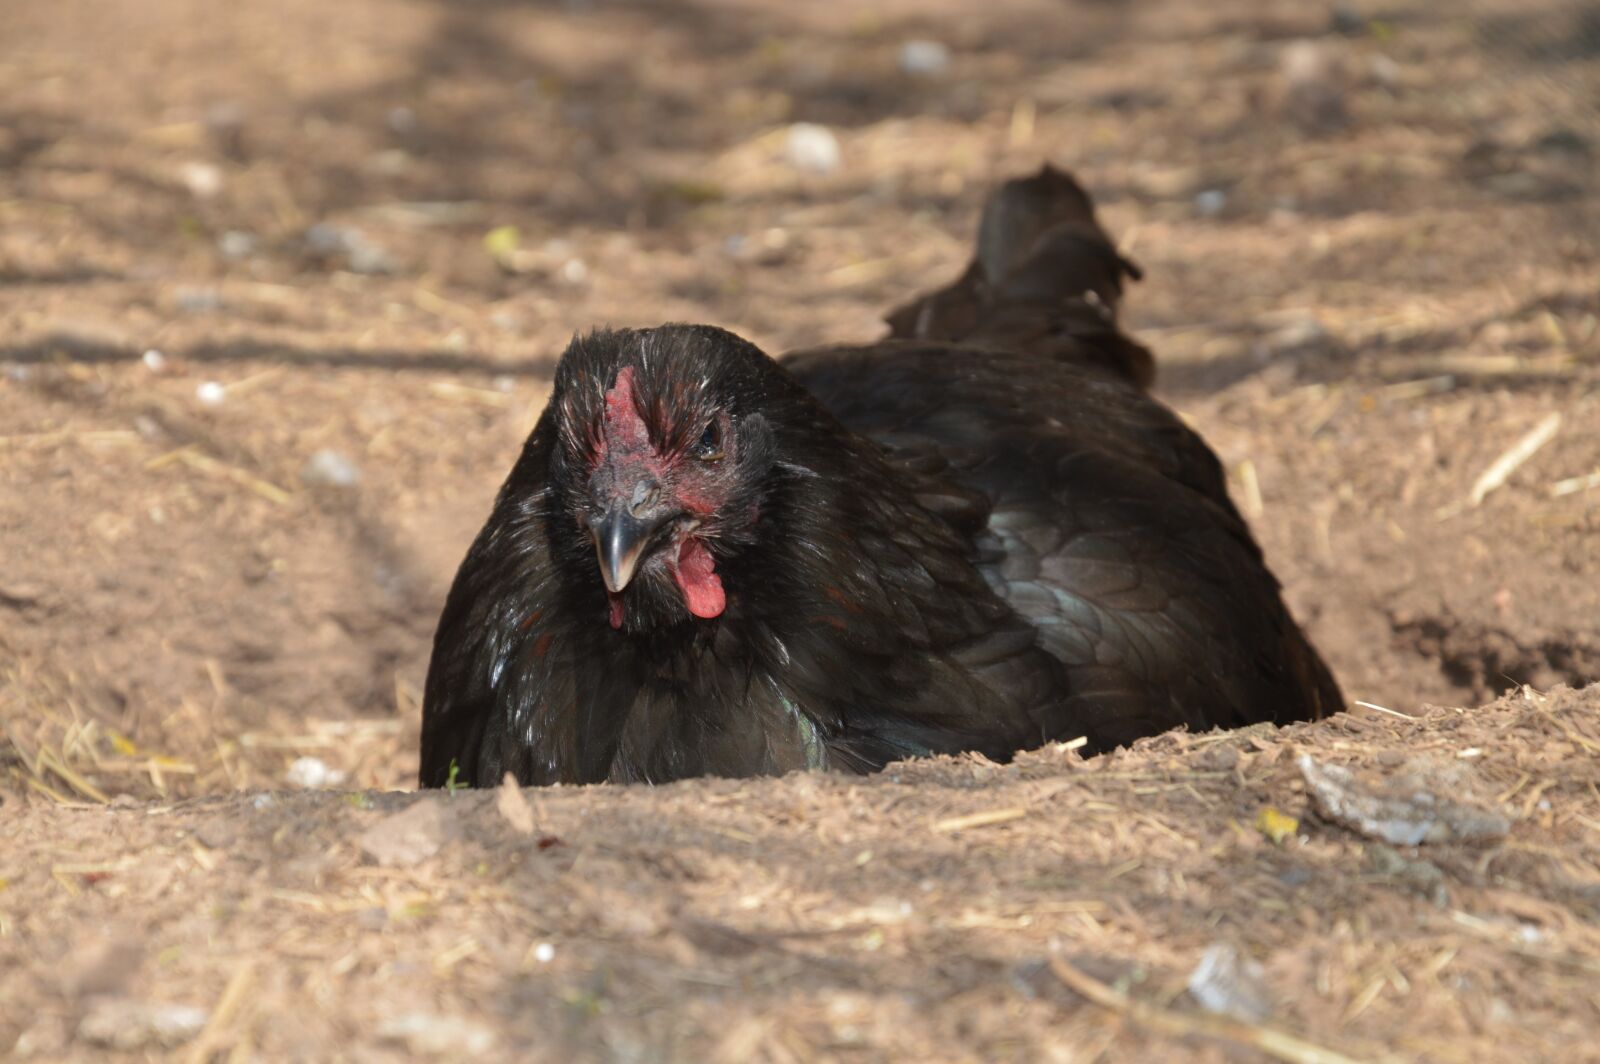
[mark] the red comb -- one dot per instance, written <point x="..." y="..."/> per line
<point x="623" y="427"/>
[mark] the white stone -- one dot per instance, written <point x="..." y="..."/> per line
<point x="924" y="58"/>
<point x="812" y="148"/>
<point x="313" y="773"/>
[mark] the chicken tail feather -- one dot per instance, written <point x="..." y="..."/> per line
<point x="1044" y="277"/>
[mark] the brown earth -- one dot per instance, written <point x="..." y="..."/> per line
<point x="1371" y="272"/>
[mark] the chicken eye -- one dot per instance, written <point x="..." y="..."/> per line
<point x="709" y="449"/>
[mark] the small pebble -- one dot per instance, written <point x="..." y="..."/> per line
<point x="118" y="1023"/>
<point x="1313" y="77"/>
<point x="330" y="468"/>
<point x="1231" y="984"/>
<point x="1219" y="759"/>
<point x="203" y="180"/>
<point x="432" y="1035"/>
<point x="224" y="117"/>
<point x="325" y="239"/>
<point x="1346" y="19"/>
<point x="1384" y="72"/>
<point x="408" y="837"/>
<point x="544" y="953"/>
<point x="812" y="148"/>
<point x="391" y="162"/>
<point x="359" y="253"/>
<point x="924" y="58"/>
<point x="1211" y="202"/>
<point x="225" y="122"/>
<point x="573" y="271"/>
<point x="370" y="259"/>
<point x="154" y="360"/>
<point x="236" y="244"/>
<point x="402" y="120"/>
<point x="198" y="300"/>
<point x="1295" y="877"/>
<point x="1299" y="336"/>
<point x="312" y="773"/>
<point x="45" y="1039"/>
<point x="211" y="393"/>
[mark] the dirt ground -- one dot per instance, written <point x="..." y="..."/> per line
<point x="280" y="290"/>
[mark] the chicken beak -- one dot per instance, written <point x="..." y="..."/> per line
<point x="620" y="542"/>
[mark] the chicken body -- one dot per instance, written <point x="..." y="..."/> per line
<point x="980" y="535"/>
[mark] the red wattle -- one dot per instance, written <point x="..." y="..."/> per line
<point x="697" y="578"/>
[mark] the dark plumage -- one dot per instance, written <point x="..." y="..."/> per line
<point x="983" y="536"/>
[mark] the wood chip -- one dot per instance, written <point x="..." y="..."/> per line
<point x="514" y="806"/>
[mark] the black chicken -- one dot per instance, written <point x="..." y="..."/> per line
<point x="979" y="534"/>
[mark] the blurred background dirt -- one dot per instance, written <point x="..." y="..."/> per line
<point x="280" y="291"/>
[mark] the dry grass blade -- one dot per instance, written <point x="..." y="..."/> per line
<point x="1250" y="490"/>
<point x="1417" y="389"/>
<point x="233" y="995"/>
<point x="38" y="786"/>
<point x="48" y="760"/>
<point x="979" y="820"/>
<point x="245" y="385"/>
<point x="461" y="393"/>
<point x="86" y="436"/>
<point x="1020" y="133"/>
<point x="447" y="308"/>
<point x="858" y="273"/>
<point x="1275" y="1044"/>
<point x="214" y="467"/>
<point x="1501" y="468"/>
<point x="1573" y="485"/>
<point x="1485" y="367"/>
<point x="1385" y="709"/>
